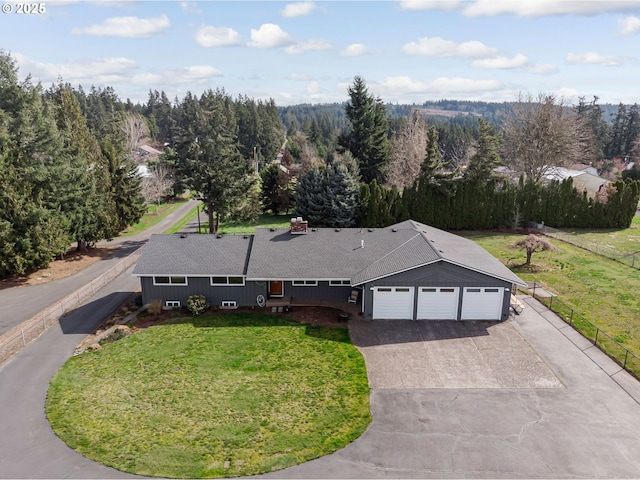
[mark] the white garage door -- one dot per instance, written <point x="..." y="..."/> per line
<point x="437" y="303"/>
<point x="482" y="303"/>
<point x="393" y="303"/>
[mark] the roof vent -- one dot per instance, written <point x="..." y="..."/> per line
<point x="219" y="235"/>
<point x="370" y="230"/>
<point x="314" y="229"/>
<point x="245" y="236"/>
<point x="394" y="229"/>
<point x="337" y="229"/>
<point x="272" y="229"/>
<point x="183" y="235"/>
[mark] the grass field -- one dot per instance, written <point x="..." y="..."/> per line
<point x="214" y="396"/>
<point x="627" y="240"/>
<point x="264" y="221"/>
<point x="154" y="214"/>
<point x="602" y="290"/>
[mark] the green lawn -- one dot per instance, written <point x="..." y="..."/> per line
<point x="264" y="221"/>
<point x="626" y="240"/>
<point x="602" y="290"/>
<point x="214" y="396"/>
<point x="154" y="214"/>
<point x="190" y="215"/>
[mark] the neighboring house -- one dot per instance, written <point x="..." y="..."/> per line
<point x="583" y="167"/>
<point x="582" y="180"/>
<point x="405" y="271"/>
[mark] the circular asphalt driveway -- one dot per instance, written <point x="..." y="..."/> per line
<point x="587" y="427"/>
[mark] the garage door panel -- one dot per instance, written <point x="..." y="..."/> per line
<point x="482" y="303"/>
<point x="438" y="303"/>
<point x="393" y="303"/>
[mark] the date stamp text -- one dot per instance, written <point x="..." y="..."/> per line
<point x="24" y="8"/>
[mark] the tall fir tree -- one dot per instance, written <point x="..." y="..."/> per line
<point x="367" y="139"/>
<point x="487" y="155"/>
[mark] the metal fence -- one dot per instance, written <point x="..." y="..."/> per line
<point x="629" y="259"/>
<point x="612" y="348"/>
<point x="20" y="336"/>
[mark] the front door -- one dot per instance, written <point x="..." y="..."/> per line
<point x="276" y="288"/>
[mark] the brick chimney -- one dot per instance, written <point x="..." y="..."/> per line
<point x="298" y="226"/>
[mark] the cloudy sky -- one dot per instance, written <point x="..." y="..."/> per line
<point x="308" y="52"/>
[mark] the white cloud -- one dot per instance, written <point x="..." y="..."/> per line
<point x="501" y="63"/>
<point x="313" y="88"/>
<point x="190" y="7"/>
<point x="298" y="9"/>
<point x="194" y="75"/>
<point x="300" y="77"/>
<point x="315" y="44"/>
<point x="269" y="35"/>
<point x="209" y="36"/>
<point x="567" y="93"/>
<point x="594" y="58"/>
<point x="354" y="50"/>
<point x="542" y="68"/>
<point x="629" y="26"/>
<point x="439" y="47"/>
<point x="541" y="8"/>
<point x="430" y="4"/>
<point x="127" y="27"/>
<point x="443" y="85"/>
<point x="94" y="71"/>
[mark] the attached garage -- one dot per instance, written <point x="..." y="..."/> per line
<point x="393" y="303"/>
<point x="438" y="303"/>
<point x="482" y="303"/>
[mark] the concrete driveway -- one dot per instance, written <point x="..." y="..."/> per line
<point x="587" y="427"/>
<point x="446" y="354"/>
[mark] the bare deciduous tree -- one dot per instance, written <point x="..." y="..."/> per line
<point x="134" y="127"/>
<point x="533" y="243"/>
<point x="541" y="133"/>
<point x="156" y="186"/>
<point x="408" y="150"/>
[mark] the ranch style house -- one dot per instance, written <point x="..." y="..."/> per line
<point x="404" y="271"/>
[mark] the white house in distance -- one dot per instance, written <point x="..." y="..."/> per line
<point x="583" y="180"/>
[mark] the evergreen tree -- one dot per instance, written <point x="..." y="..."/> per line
<point x="487" y="155"/>
<point x="367" y="138"/>
<point x="32" y="227"/>
<point x="125" y="186"/>
<point x="311" y="201"/>
<point x="209" y="156"/>
<point x="341" y="196"/>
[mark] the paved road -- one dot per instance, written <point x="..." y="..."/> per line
<point x="21" y="303"/>
<point x="28" y="446"/>
<point x="589" y="428"/>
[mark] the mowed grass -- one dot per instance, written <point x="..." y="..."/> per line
<point x="625" y="240"/>
<point x="155" y="213"/>
<point x="264" y="221"/>
<point x="214" y="396"/>
<point x="602" y="290"/>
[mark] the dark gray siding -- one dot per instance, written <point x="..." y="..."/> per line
<point x="441" y="274"/>
<point x="244" y="295"/>
<point x="323" y="291"/>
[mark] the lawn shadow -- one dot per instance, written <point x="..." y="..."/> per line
<point x="259" y="319"/>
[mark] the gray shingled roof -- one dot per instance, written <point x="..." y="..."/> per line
<point x="360" y="255"/>
<point x="194" y="255"/>
<point x="321" y="254"/>
<point x="461" y="251"/>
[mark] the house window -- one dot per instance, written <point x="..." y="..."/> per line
<point x="448" y="290"/>
<point x="227" y="280"/>
<point x="304" y="283"/>
<point x="170" y="280"/>
<point x="491" y="290"/>
<point x="229" y="303"/>
<point x="172" y="303"/>
<point x="340" y="283"/>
